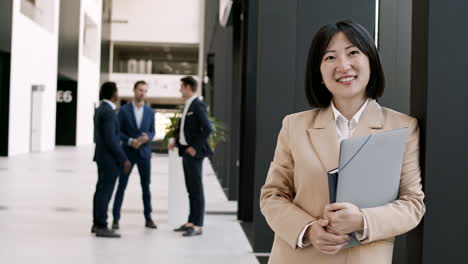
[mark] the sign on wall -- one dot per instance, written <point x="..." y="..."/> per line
<point x="65" y="129"/>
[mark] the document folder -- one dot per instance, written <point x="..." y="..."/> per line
<point x="369" y="170"/>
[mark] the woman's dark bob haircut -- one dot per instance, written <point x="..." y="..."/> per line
<point x="316" y="92"/>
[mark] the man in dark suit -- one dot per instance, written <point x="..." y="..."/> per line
<point x="194" y="130"/>
<point x="109" y="157"/>
<point x="136" y="132"/>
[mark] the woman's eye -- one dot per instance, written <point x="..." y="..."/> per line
<point x="354" y="52"/>
<point x="329" y="58"/>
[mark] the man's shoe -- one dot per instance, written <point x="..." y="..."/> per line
<point x="192" y="232"/>
<point x="182" y="228"/>
<point x="106" y="232"/>
<point x="93" y="229"/>
<point x="115" y="225"/>
<point x="150" y="224"/>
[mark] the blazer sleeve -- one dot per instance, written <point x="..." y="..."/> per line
<point x="152" y="131"/>
<point x="112" y="142"/>
<point x="406" y="212"/>
<point x="284" y="217"/>
<point x="205" y="126"/>
<point x="123" y="133"/>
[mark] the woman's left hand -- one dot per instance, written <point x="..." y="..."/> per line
<point x="344" y="218"/>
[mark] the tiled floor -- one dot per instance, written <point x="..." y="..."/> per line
<point x="45" y="216"/>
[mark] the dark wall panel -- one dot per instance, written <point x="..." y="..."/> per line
<point x="275" y="95"/>
<point x="223" y="92"/>
<point x="395" y="52"/>
<point x="65" y="124"/>
<point x="6" y="20"/>
<point x="105" y="39"/>
<point x="248" y="111"/>
<point x="69" y="32"/>
<point x="4" y="101"/>
<point x="446" y="137"/>
<point x="311" y="16"/>
<point x="236" y="98"/>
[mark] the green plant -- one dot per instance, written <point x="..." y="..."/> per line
<point x="218" y="135"/>
<point x="171" y="129"/>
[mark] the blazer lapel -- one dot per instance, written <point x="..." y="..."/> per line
<point x="190" y="109"/>
<point x="132" y="115"/>
<point x="144" y="120"/>
<point x="371" y="121"/>
<point x="324" y="139"/>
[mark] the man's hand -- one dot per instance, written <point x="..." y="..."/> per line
<point x="143" y="138"/>
<point x="344" y="218"/>
<point x="127" y="166"/>
<point x="171" y="146"/>
<point x="135" y="143"/>
<point x="327" y="243"/>
<point x="191" y="151"/>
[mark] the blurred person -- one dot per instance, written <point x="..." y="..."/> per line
<point x="192" y="141"/>
<point x="136" y="132"/>
<point x="109" y="157"/>
<point x="344" y="77"/>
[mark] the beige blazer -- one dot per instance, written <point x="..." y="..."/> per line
<point x="296" y="189"/>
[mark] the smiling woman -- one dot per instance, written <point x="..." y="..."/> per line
<point x="343" y="80"/>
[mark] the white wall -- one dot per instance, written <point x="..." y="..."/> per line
<point x="88" y="74"/>
<point x="34" y="56"/>
<point x="163" y="21"/>
<point x="159" y="85"/>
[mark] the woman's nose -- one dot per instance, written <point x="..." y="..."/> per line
<point x="343" y="65"/>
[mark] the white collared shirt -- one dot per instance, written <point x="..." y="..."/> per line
<point x="110" y="103"/>
<point x="138" y="113"/>
<point x="345" y="127"/>
<point x="344" y="130"/>
<point x="182" y="139"/>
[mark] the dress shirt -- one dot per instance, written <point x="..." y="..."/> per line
<point x="344" y="129"/>
<point x="182" y="139"/>
<point x="138" y="117"/>
<point x="110" y="103"/>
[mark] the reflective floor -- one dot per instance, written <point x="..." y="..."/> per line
<point x="45" y="216"/>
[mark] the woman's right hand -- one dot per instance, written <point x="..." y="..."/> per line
<point x="325" y="242"/>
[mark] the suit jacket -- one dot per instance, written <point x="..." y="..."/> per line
<point x="129" y="129"/>
<point x="296" y="188"/>
<point x="197" y="129"/>
<point x="108" y="151"/>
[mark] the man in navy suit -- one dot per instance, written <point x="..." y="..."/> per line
<point x="136" y="132"/>
<point x="194" y="130"/>
<point x="109" y="157"/>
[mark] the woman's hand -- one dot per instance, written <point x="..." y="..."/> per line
<point x="325" y="242"/>
<point x="344" y="218"/>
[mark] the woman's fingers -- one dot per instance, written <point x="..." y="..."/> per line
<point x="332" y="249"/>
<point x="334" y="239"/>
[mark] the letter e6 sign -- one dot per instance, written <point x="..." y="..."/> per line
<point x="64" y="96"/>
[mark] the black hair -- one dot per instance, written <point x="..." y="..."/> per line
<point x="316" y="92"/>
<point x="108" y="89"/>
<point x="138" y="83"/>
<point x="190" y="81"/>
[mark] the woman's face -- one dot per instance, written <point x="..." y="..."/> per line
<point x="345" y="69"/>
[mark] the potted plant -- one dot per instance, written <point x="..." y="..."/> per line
<point x="218" y="135"/>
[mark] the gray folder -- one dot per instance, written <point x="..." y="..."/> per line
<point x="369" y="170"/>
